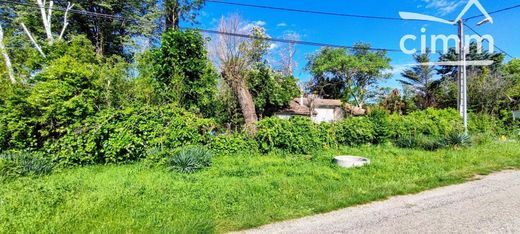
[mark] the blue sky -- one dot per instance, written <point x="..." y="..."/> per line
<point x="379" y="33"/>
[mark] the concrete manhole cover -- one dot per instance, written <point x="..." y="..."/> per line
<point x="351" y="161"/>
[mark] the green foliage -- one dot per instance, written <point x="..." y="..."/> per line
<point x="355" y="131"/>
<point x="22" y="163"/>
<point x="233" y="144"/>
<point x="72" y="85"/>
<point x="421" y="80"/>
<point x="458" y="139"/>
<point x="191" y="159"/>
<point x="297" y="135"/>
<point x="430" y="143"/>
<point x="185" y="71"/>
<point x="347" y="75"/>
<point x="382" y="130"/>
<point x="485" y="124"/>
<point x="271" y="91"/>
<point x="122" y="136"/>
<point x="431" y="122"/>
<point x="236" y="193"/>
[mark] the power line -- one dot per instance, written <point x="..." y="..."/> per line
<point x="340" y="14"/>
<point x="307" y="11"/>
<point x="498" y="48"/>
<point x="308" y="43"/>
<point x="287" y="41"/>
<point x="81" y="12"/>
<point x="494" y="12"/>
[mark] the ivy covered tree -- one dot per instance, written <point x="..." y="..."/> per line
<point x="175" y="10"/>
<point x="271" y="90"/>
<point x="184" y="71"/>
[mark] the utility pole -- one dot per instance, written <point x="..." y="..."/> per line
<point x="462" y="98"/>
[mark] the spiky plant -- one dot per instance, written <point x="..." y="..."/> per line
<point x="458" y="140"/>
<point x="191" y="159"/>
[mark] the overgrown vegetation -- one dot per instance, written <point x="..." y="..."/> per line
<point x="94" y="101"/>
<point x="237" y="192"/>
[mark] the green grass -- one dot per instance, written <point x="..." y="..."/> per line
<point x="235" y="193"/>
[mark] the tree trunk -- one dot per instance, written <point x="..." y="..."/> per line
<point x="247" y="105"/>
<point x="245" y="100"/>
<point x="172" y="14"/>
<point x="7" y="60"/>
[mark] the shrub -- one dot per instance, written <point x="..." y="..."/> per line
<point x="355" y="131"/>
<point x="431" y="122"/>
<point x="21" y="163"/>
<point x="479" y="124"/>
<point x="232" y="144"/>
<point x="121" y="136"/>
<point x="297" y="135"/>
<point x="381" y="120"/>
<point x="191" y="159"/>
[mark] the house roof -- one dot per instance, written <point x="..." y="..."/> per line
<point x="318" y="102"/>
<point x="296" y="109"/>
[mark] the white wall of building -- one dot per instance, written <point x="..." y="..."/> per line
<point x="324" y="115"/>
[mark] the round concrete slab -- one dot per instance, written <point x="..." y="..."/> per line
<point x="351" y="161"/>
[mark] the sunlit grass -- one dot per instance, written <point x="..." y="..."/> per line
<point x="235" y="193"/>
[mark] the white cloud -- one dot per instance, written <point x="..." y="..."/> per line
<point x="273" y="46"/>
<point x="397" y="69"/>
<point x="444" y="7"/>
<point x="281" y="25"/>
<point x="260" y="23"/>
<point x="247" y="27"/>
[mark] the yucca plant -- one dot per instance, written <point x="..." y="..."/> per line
<point x="191" y="159"/>
<point x="22" y="163"/>
<point x="458" y="140"/>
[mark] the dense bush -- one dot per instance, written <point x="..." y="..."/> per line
<point x="381" y="121"/>
<point x="485" y="124"/>
<point x="431" y="122"/>
<point x="233" y="144"/>
<point x="72" y="84"/>
<point x="355" y="131"/>
<point x="120" y="136"/>
<point x="297" y="135"/>
<point x="184" y="71"/>
<point x="20" y="163"/>
<point x="191" y="159"/>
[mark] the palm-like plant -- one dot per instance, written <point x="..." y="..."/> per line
<point x="421" y="79"/>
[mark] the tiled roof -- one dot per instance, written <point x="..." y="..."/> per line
<point x="296" y="109"/>
<point x="320" y="102"/>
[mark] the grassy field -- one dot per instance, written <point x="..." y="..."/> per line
<point x="236" y="193"/>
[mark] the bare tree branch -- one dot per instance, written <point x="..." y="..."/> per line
<point x="32" y="39"/>
<point x="46" y="19"/>
<point x="7" y="60"/>
<point x="65" y="20"/>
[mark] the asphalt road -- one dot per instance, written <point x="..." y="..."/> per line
<point x="488" y="205"/>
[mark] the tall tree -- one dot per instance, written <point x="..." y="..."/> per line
<point x="236" y="57"/>
<point x="132" y="19"/>
<point x="332" y="71"/>
<point x="421" y="79"/>
<point x="175" y="10"/>
<point x="486" y="84"/>
<point x="370" y="67"/>
<point x="347" y="75"/>
<point x="184" y="70"/>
